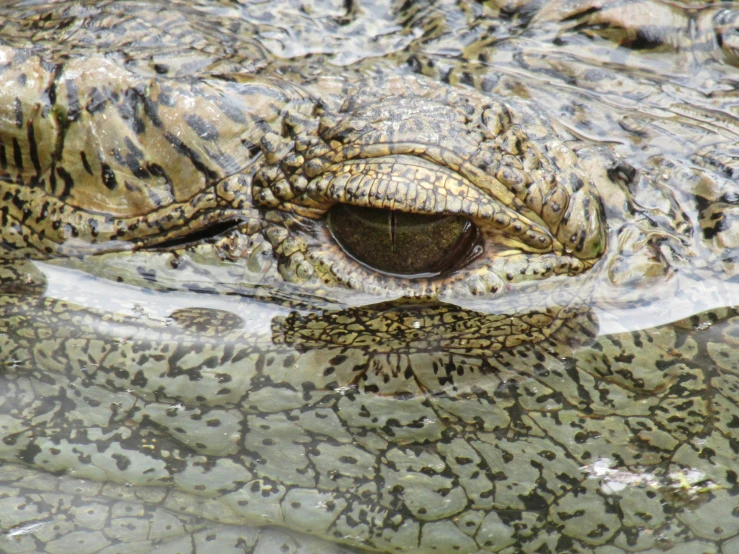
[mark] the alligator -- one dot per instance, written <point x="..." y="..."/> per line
<point x="357" y="277"/>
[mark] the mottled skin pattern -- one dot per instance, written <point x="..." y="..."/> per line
<point x="190" y="363"/>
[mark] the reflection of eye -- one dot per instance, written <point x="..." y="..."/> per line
<point x="399" y="243"/>
<point x="637" y="38"/>
<point x="727" y="34"/>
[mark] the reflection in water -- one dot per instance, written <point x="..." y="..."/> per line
<point x="382" y="423"/>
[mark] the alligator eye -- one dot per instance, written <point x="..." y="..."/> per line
<point x="399" y="243"/>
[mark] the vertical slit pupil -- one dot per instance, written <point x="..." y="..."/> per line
<point x="393" y="229"/>
<point x="404" y="244"/>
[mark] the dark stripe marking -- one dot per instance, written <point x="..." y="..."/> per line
<point x="52" y="178"/>
<point x="204" y="129"/>
<point x="85" y="163"/>
<point x="158" y="171"/>
<point x="33" y="149"/>
<point x="17" y="156"/>
<point x="109" y="179"/>
<point x="50" y="93"/>
<point x="3" y="157"/>
<point x="185" y="150"/>
<point x="97" y="102"/>
<point x="135" y="150"/>
<point x="68" y="182"/>
<point x="166" y="97"/>
<point x="135" y="167"/>
<point x="232" y="112"/>
<point x="128" y="110"/>
<point x="73" y="101"/>
<point x="151" y="109"/>
<point x="155" y="198"/>
<point x="18" y="113"/>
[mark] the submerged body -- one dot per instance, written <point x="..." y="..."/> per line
<point x="225" y="324"/>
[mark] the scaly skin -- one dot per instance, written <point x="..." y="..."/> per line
<point x="190" y="363"/>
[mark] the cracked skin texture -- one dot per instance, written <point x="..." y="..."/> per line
<point x="192" y="364"/>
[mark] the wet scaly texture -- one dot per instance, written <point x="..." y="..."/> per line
<point x="190" y="363"/>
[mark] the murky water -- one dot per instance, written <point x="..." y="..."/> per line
<point x="211" y="397"/>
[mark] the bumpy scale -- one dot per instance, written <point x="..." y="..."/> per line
<point x="191" y="363"/>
